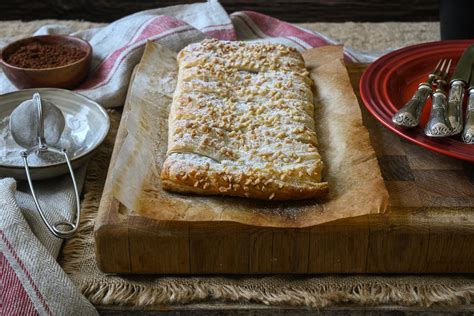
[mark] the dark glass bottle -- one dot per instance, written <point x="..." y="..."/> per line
<point x="456" y="19"/>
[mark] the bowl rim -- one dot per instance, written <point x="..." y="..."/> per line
<point x="68" y="38"/>
<point x="91" y="150"/>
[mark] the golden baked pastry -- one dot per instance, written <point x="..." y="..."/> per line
<point x="242" y="124"/>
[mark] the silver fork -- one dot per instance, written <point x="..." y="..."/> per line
<point x="409" y="115"/>
<point x="438" y="124"/>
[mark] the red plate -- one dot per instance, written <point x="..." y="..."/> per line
<point x="391" y="80"/>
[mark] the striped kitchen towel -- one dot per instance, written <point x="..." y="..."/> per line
<point x="118" y="46"/>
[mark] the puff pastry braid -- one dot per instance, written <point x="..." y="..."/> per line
<point x="242" y="123"/>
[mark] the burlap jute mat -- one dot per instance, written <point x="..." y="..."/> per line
<point x="78" y="260"/>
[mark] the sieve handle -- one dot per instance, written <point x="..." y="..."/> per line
<point x="55" y="228"/>
<point x="39" y="108"/>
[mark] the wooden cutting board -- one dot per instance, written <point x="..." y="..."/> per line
<point x="430" y="228"/>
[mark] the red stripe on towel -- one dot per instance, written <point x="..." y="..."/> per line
<point x="13" y="297"/>
<point x="255" y="30"/>
<point x="155" y="27"/>
<point x="96" y="83"/>
<point x="277" y="28"/>
<point x="27" y="273"/>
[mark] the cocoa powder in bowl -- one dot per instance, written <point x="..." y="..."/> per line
<point x="57" y="61"/>
<point x="38" y="55"/>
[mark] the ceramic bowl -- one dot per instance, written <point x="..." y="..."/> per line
<point x="67" y="77"/>
<point x="87" y="125"/>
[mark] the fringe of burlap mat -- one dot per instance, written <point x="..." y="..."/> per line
<point x="78" y="260"/>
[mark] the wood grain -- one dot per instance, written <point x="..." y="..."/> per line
<point x="335" y="248"/>
<point x="167" y="242"/>
<point x="451" y="253"/>
<point x="222" y="248"/>
<point x="261" y="251"/>
<point x="290" y="250"/>
<point x="397" y="248"/>
<point x="292" y="11"/>
<point x="430" y="228"/>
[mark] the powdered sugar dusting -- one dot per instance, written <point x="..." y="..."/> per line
<point x="10" y="151"/>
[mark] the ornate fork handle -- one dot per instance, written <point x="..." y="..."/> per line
<point x="468" y="132"/>
<point x="456" y="96"/>
<point x="438" y="124"/>
<point x="409" y="115"/>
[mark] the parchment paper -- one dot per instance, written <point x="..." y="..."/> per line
<point x="355" y="183"/>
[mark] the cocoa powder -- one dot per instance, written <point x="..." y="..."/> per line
<point x="42" y="55"/>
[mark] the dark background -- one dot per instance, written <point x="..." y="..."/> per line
<point x="292" y="10"/>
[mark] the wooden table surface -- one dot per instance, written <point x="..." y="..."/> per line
<point x="220" y="309"/>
